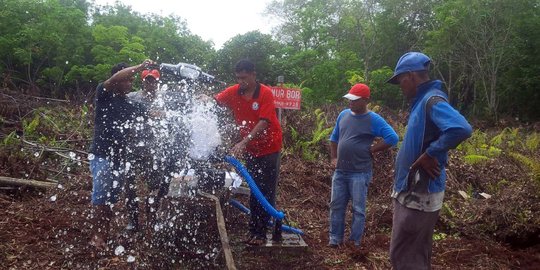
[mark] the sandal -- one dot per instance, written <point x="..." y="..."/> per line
<point x="257" y="241"/>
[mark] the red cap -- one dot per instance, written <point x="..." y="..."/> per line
<point x="154" y="73"/>
<point x="358" y="90"/>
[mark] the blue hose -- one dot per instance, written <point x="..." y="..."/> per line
<point x="254" y="189"/>
<point x="290" y="229"/>
<point x="240" y="206"/>
<point x="246" y="210"/>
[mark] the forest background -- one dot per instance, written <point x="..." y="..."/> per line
<point x="485" y="51"/>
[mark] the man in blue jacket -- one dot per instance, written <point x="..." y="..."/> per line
<point x="351" y="151"/>
<point x="433" y="128"/>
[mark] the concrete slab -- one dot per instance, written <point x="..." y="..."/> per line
<point x="291" y="243"/>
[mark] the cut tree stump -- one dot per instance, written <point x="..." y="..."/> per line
<point x="8" y="181"/>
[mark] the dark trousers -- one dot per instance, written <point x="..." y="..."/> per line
<point x="265" y="172"/>
<point x="412" y="238"/>
<point x="157" y="181"/>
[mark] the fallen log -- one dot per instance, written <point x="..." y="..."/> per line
<point x="8" y="181"/>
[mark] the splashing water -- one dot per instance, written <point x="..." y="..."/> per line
<point x="119" y="250"/>
<point x="178" y="131"/>
<point x="203" y="124"/>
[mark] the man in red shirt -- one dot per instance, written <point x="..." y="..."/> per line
<point x="253" y="108"/>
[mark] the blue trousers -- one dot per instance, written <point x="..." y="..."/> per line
<point x="107" y="182"/>
<point x="348" y="186"/>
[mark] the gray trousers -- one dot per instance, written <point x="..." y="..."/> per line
<point x="412" y="238"/>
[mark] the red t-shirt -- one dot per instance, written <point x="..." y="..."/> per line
<point x="248" y="113"/>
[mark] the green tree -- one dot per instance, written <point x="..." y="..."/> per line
<point x="260" y="48"/>
<point x="474" y="46"/>
<point x="523" y="77"/>
<point x="166" y="39"/>
<point x="112" y="45"/>
<point x="41" y="40"/>
<point x="315" y="50"/>
<point x="385" y="93"/>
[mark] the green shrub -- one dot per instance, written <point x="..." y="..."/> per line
<point x="308" y="147"/>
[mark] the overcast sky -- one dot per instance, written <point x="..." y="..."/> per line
<point x="215" y="20"/>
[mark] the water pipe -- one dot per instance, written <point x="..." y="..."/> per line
<point x="254" y="189"/>
<point x="246" y="210"/>
<point x="240" y="206"/>
<point x="286" y="228"/>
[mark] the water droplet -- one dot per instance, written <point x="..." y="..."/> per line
<point x="130" y="259"/>
<point x="72" y="155"/>
<point x="52" y="198"/>
<point x="36" y="154"/>
<point x="91" y="156"/>
<point x="119" y="250"/>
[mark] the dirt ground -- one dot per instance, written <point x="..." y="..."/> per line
<point x="50" y="229"/>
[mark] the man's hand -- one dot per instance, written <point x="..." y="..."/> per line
<point x="156" y="114"/>
<point x="148" y="63"/>
<point x="429" y="164"/>
<point x="333" y="162"/>
<point x="239" y="149"/>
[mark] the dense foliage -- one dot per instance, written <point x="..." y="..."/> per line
<point x="486" y="51"/>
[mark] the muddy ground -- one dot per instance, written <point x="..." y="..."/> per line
<point x="50" y="229"/>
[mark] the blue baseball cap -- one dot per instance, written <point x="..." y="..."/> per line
<point x="411" y="61"/>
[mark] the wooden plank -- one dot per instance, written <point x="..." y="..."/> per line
<point x="222" y="231"/>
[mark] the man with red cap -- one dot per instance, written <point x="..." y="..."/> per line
<point x="351" y="152"/>
<point x="145" y="162"/>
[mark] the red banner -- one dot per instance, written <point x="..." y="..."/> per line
<point x="287" y="98"/>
